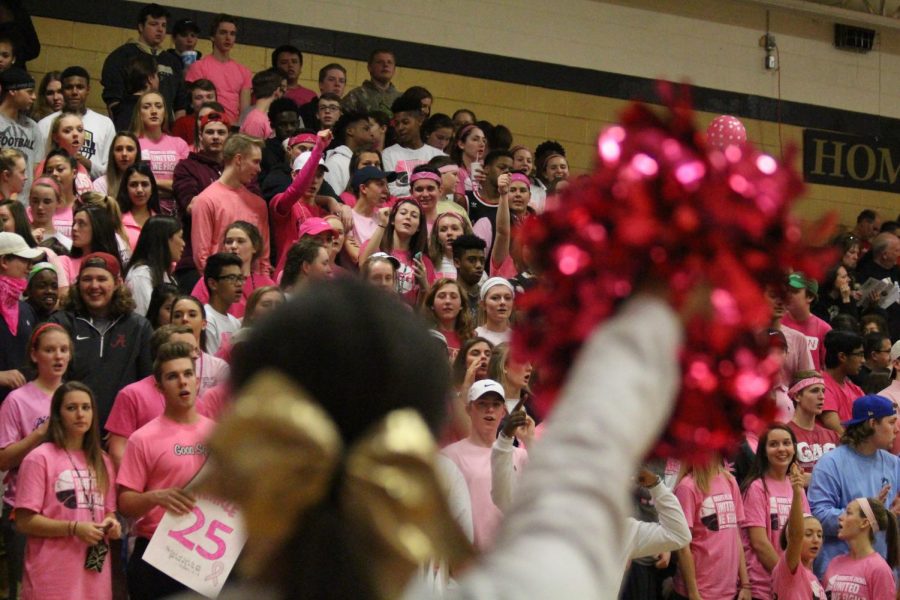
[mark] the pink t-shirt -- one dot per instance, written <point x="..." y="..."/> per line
<point x="216" y="400"/>
<point x="506" y="269"/>
<point x="163" y="454"/>
<point x="407" y="285"/>
<point x="814" y="329"/>
<point x="812" y="445"/>
<point x="300" y="95"/>
<point x="769" y="510"/>
<point x="58" y="485"/>
<point x="23" y="411"/>
<point x="62" y="220"/>
<point x="363" y="227"/>
<point x="256" y="123"/>
<point x="217" y="207"/>
<point x="140" y="402"/>
<point x="839" y="397"/>
<point x="162" y="155"/>
<point x="453" y="343"/>
<point x="132" y="229"/>
<point x="799" y="585"/>
<point x="230" y="79"/>
<point x="869" y="578"/>
<point x="475" y="464"/>
<point x="713" y="519"/>
<point x="237" y="309"/>
<point x="798" y="357"/>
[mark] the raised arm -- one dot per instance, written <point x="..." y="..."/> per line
<point x="502" y="227"/>
<point x="795" y="521"/>
<point x="282" y="203"/>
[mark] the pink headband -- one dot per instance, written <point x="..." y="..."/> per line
<point x="44" y="327"/>
<point x="867" y="510"/>
<point x="465" y="129"/>
<point x="804" y="383"/>
<point x="449" y="169"/>
<point x="48" y="182"/>
<point x="520" y="177"/>
<point x="425" y="175"/>
<point x="453" y="214"/>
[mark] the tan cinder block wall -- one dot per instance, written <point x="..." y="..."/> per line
<point x="532" y="113"/>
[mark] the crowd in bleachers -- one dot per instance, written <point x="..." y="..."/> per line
<point x="141" y="246"/>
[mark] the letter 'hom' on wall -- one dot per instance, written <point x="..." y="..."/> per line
<point x="839" y="159"/>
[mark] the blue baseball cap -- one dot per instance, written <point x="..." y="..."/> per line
<point x="368" y="174"/>
<point x="868" y="407"/>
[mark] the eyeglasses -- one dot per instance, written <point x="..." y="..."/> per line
<point x="232" y="278"/>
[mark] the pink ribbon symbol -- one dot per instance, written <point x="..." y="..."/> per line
<point x="217" y="569"/>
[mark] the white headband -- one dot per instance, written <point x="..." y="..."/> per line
<point x="493" y="282"/>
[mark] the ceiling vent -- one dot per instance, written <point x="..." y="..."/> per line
<point x="854" y="39"/>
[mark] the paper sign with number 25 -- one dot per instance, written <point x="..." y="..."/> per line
<point x="181" y="536"/>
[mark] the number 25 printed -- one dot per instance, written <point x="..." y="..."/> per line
<point x="180" y="535"/>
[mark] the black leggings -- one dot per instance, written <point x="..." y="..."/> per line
<point x="14" y="543"/>
<point x="146" y="582"/>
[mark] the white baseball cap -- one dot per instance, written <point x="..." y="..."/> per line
<point x="303" y="158"/>
<point x="12" y="243"/>
<point x="895" y="351"/>
<point x="484" y="386"/>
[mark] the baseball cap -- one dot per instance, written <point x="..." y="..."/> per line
<point x="485" y="386"/>
<point x="13" y="243"/>
<point x="868" y="407"/>
<point x="895" y="351"/>
<point x="798" y="281"/>
<point x="315" y="226"/>
<point x="303" y="158"/>
<point x="214" y="117"/>
<point x="182" y="26"/>
<point x="101" y="260"/>
<point x="15" y="78"/>
<point x="385" y="256"/>
<point x="368" y="174"/>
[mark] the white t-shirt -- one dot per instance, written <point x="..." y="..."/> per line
<point x="494" y="337"/>
<point x="99" y="133"/>
<point x="218" y="324"/>
<point x="140" y="281"/>
<point x="403" y="161"/>
<point x="538" y="197"/>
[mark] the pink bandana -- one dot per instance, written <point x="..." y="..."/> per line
<point x="11" y="289"/>
<point x="424" y="175"/>
<point x="519" y="177"/>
